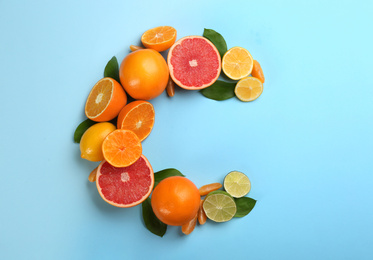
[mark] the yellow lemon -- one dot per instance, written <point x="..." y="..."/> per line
<point x="91" y="142"/>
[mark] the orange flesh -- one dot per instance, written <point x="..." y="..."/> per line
<point x="138" y="117"/>
<point x="201" y="216"/>
<point x="159" y="34"/>
<point x="188" y="227"/>
<point x="206" y="189"/>
<point x="99" y="98"/>
<point x="121" y="148"/>
<point x="257" y="71"/>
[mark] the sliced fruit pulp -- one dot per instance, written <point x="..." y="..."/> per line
<point x="159" y="34"/>
<point x="121" y="148"/>
<point x="195" y="62"/>
<point x="219" y="207"/>
<point x="248" y="89"/>
<point x="237" y="184"/>
<point x="125" y="185"/>
<point x="140" y="120"/>
<point x="237" y="63"/>
<point x="99" y="98"/>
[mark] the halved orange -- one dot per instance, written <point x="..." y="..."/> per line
<point x="159" y="38"/>
<point x="121" y="148"/>
<point x="137" y="116"/>
<point x="248" y="89"/>
<point x="105" y="100"/>
<point x="237" y="63"/>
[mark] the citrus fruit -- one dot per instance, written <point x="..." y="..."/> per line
<point x="237" y="184"/>
<point x="175" y="200"/>
<point x="257" y="71"/>
<point x="237" y="63"/>
<point x="137" y="116"/>
<point x="144" y="74"/>
<point x="219" y="206"/>
<point x="92" y="139"/>
<point x="105" y="100"/>
<point x="194" y="62"/>
<point x="125" y="186"/>
<point x="248" y="89"/>
<point x="159" y="38"/>
<point x="121" y="148"/>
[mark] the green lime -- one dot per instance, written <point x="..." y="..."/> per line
<point x="237" y="184"/>
<point x="219" y="206"/>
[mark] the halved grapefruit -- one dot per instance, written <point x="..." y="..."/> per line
<point x="126" y="186"/>
<point x="194" y="62"/>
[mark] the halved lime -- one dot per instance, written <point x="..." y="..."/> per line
<point x="237" y="184"/>
<point x="219" y="206"/>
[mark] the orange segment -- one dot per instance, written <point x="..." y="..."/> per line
<point x="137" y="116"/>
<point x="237" y="63"/>
<point x="105" y="100"/>
<point x="257" y="71"/>
<point x="121" y="148"/>
<point x="248" y="89"/>
<point x="159" y="38"/>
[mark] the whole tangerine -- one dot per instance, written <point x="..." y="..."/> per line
<point x="144" y="74"/>
<point x="175" y="200"/>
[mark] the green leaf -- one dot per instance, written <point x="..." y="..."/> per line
<point x="158" y="176"/>
<point x="82" y="127"/>
<point x="217" y="39"/>
<point x="244" y="206"/>
<point x="220" y="90"/>
<point x="112" y="69"/>
<point x="152" y="223"/>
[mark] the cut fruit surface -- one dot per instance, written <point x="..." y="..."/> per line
<point x="219" y="206"/>
<point x="237" y="184"/>
<point x="105" y="100"/>
<point x="159" y="38"/>
<point x="194" y="62"/>
<point x="125" y="186"/>
<point x="248" y="89"/>
<point x="237" y="63"/>
<point x="137" y="116"/>
<point x="121" y="148"/>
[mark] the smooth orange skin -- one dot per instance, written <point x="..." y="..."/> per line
<point x="144" y="74"/>
<point x="257" y="71"/>
<point x="175" y="201"/>
<point x="117" y="102"/>
<point x="124" y="112"/>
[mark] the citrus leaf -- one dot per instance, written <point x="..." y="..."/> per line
<point x="112" y="69"/>
<point x="82" y="127"/>
<point x="244" y="206"/>
<point x="217" y="39"/>
<point x="152" y="223"/>
<point x="219" y="91"/>
<point x="158" y="176"/>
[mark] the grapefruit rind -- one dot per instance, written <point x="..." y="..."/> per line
<point x="172" y="67"/>
<point x="98" y="175"/>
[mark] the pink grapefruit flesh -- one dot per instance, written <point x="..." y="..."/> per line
<point x="194" y="62"/>
<point x="125" y="187"/>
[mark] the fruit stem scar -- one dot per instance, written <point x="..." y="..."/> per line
<point x="193" y="63"/>
<point x="99" y="98"/>
<point x="124" y="177"/>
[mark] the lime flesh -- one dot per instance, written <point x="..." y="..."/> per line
<point x="219" y="207"/>
<point x="237" y="184"/>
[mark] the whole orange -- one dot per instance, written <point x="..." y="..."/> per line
<point x="144" y="74"/>
<point x="175" y="200"/>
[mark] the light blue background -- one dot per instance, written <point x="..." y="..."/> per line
<point x="306" y="143"/>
